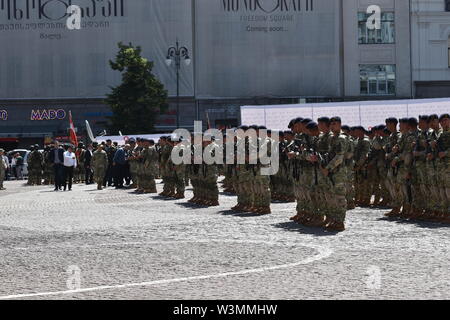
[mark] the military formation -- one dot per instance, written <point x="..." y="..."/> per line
<point x="327" y="168"/>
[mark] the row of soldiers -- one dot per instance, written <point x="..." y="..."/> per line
<point x="327" y="168"/>
<point x="405" y="169"/>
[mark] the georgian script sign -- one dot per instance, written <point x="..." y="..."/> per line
<point x="55" y="10"/>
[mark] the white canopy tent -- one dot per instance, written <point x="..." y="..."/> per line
<point x="121" y="140"/>
<point x="364" y="113"/>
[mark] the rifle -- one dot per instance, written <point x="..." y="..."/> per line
<point x="324" y="161"/>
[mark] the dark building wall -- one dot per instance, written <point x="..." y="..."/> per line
<point x="432" y="89"/>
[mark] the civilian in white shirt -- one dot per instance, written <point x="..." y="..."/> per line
<point x="70" y="163"/>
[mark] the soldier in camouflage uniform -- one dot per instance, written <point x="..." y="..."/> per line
<point x="228" y="170"/>
<point x="3" y="168"/>
<point x="261" y="183"/>
<point x="99" y="165"/>
<point x="349" y="165"/>
<point x="432" y="211"/>
<point x="419" y="168"/>
<point x="166" y="150"/>
<point x="336" y="171"/>
<point x="209" y="192"/>
<point x="402" y="163"/>
<point x="362" y="150"/>
<point x="35" y="166"/>
<point x="149" y="168"/>
<point x="443" y="168"/>
<point x="299" y="164"/>
<point x="177" y="172"/>
<point x="324" y="187"/>
<point x="391" y="141"/>
<point x="133" y="162"/>
<point x="244" y="175"/>
<point x="276" y="180"/>
<point x="194" y="174"/>
<point x="287" y="181"/>
<point x="309" y="152"/>
<point x="139" y="165"/>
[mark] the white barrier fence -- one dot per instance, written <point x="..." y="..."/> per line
<point x="364" y="113"/>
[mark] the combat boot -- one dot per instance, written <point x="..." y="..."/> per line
<point x="405" y="211"/>
<point x="214" y="203"/>
<point x="265" y="210"/>
<point x="237" y="207"/>
<point x="179" y="196"/>
<point x="393" y="213"/>
<point x="192" y="200"/>
<point x="351" y="206"/>
<point x="336" y="226"/>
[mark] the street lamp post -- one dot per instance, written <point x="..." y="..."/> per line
<point x="176" y="54"/>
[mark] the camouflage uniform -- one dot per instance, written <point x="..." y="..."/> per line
<point x="349" y="165"/>
<point x="421" y="194"/>
<point x="403" y="161"/>
<point x="3" y="168"/>
<point x="443" y="173"/>
<point x="166" y="151"/>
<point x="395" y="201"/>
<point x="338" y="176"/>
<point x="177" y="172"/>
<point x="149" y="169"/>
<point x="99" y="165"/>
<point x="261" y="183"/>
<point x="433" y="204"/>
<point x="35" y="164"/>
<point x="362" y="150"/>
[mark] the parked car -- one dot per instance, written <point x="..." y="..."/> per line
<point x="24" y="154"/>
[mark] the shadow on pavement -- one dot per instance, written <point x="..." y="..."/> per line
<point x="157" y="197"/>
<point x="191" y="205"/>
<point x="240" y="214"/>
<point x="295" y="227"/>
<point x="423" y="224"/>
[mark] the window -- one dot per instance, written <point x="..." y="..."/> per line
<point x="384" y="35"/>
<point x="447" y="5"/>
<point x="377" y="79"/>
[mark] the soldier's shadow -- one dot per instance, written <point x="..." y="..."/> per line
<point x="240" y="214"/>
<point x="295" y="227"/>
<point x="160" y="197"/>
<point x="421" y="224"/>
<point x="192" y="206"/>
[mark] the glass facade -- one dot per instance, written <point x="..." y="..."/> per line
<point x="377" y="79"/>
<point x="376" y="36"/>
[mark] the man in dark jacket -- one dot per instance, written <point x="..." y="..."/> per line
<point x="57" y="158"/>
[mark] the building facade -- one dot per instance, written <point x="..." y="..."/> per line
<point x="243" y="52"/>
<point x="431" y="48"/>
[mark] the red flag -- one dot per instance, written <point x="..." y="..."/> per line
<point x="72" y="134"/>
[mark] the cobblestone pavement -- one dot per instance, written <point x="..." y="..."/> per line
<point x="130" y="246"/>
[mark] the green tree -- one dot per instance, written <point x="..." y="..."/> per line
<point x="137" y="102"/>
